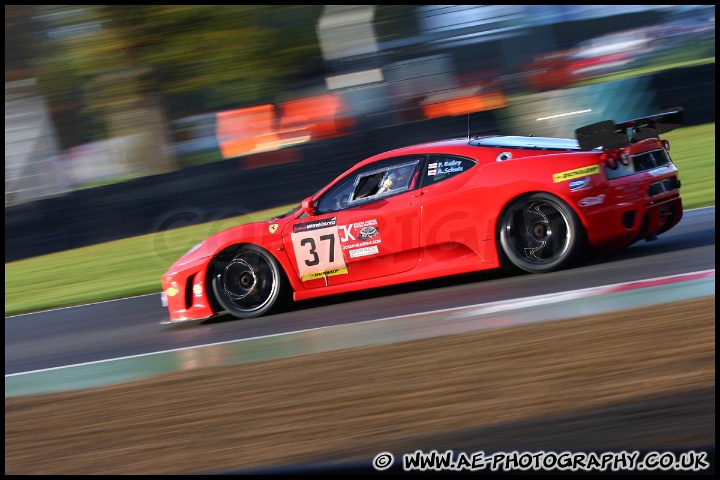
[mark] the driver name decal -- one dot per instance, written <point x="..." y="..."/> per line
<point x="451" y="166"/>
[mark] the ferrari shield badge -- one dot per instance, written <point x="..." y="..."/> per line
<point x="273" y="227"/>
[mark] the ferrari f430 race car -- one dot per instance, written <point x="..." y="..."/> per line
<point x="442" y="208"/>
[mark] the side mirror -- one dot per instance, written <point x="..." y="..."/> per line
<point x="308" y="207"/>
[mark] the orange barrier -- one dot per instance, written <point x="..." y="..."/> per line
<point x="264" y="128"/>
<point x="320" y="116"/>
<point x="246" y="130"/>
<point x="461" y="104"/>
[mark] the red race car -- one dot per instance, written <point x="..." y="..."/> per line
<point x="438" y="209"/>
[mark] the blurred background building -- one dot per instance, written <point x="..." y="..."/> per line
<point x="105" y="94"/>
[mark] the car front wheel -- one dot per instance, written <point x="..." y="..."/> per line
<point x="540" y="233"/>
<point x="249" y="283"/>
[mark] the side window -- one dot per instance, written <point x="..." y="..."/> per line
<point x="385" y="178"/>
<point x="390" y="180"/>
<point x="368" y="185"/>
<point x="442" y="167"/>
<point x="338" y="197"/>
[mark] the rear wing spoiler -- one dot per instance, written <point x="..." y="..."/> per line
<point x="608" y="135"/>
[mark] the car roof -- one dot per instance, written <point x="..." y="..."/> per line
<point x="468" y="147"/>
<point x="530" y="142"/>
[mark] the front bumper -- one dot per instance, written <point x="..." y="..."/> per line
<point x="185" y="294"/>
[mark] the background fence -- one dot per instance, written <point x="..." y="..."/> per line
<point x="230" y="188"/>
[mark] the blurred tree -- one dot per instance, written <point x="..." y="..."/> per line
<point x="93" y="60"/>
<point x="72" y="49"/>
<point x="226" y="54"/>
<point x="20" y="38"/>
<point x="123" y="63"/>
<point x="107" y="69"/>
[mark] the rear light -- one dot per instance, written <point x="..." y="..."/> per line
<point x="612" y="158"/>
<point x="609" y="159"/>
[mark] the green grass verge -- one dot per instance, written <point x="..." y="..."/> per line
<point x="134" y="266"/>
<point x="693" y="152"/>
<point x="106" y="271"/>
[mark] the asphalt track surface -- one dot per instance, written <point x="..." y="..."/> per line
<point x="133" y="326"/>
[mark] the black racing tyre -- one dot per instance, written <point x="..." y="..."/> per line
<point x="251" y="283"/>
<point x="539" y="233"/>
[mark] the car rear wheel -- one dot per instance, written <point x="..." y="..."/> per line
<point x="540" y="233"/>
<point x="250" y="283"/>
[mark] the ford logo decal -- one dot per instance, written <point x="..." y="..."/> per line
<point x="579" y="183"/>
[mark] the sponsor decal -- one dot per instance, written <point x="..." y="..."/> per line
<point x="304" y="227"/>
<point x="630" y="192"/>
<point x="197" y="290"/>
<point x="352" y="231"/>
<point x="172" y="291"/>
<point x="366" y="223"/>
<point x="346" y="233"/>
<point x="326" y="273"/>
<point x="362" y="244"/>
<point x="273" y="228"/>
<point x="579" y="183"/>
<point x="589" y="201"/>
<point x="630" y="187"/>
<point x="368" y="232"/>
<point x="578" y="172"/>
<point x="362" y="252"/>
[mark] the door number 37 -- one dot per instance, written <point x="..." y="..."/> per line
<point x="318" y="251"/>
